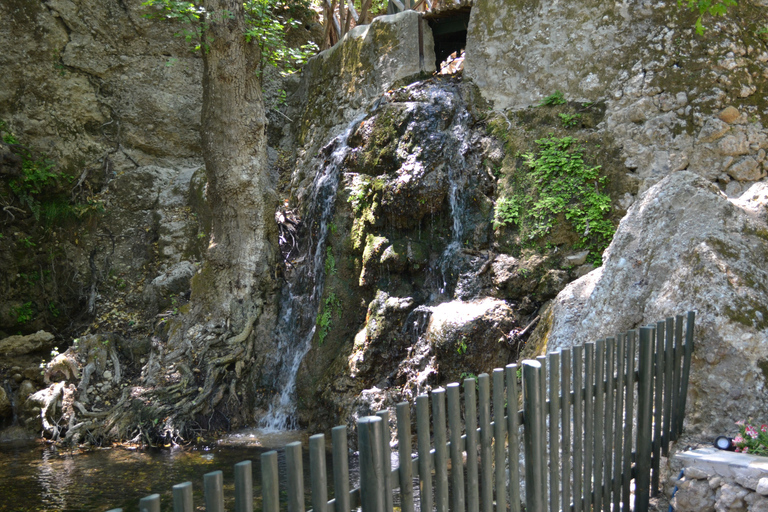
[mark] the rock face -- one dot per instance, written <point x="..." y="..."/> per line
<point x="684" y="246"/>
<point x="20" y="345"/>
<point x="675" y="100"/>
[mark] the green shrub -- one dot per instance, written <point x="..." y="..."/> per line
<point x="557" y="182"/>
<point x="556" y="98"/>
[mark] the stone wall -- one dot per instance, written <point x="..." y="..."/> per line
<point x="675" y="100"/>
<point x="717" y="480"/>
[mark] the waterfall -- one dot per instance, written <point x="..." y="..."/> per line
<point x="301" y="296"/>
<point x="457" y="177"/>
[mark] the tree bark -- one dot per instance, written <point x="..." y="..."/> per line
<point x="238" y="274"/>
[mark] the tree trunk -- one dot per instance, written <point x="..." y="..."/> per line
<point x="238" y="274"/>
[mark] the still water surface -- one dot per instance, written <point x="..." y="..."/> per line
<point x="36" y="478"/>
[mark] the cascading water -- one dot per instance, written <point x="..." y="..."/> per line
<point x="457" y="178"/>
<point x="301" y="298"/>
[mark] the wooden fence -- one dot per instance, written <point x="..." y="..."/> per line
<point x="613" y="407"/>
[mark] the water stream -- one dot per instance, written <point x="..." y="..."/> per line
<point x="304" y="288"/>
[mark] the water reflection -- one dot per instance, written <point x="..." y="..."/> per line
<point x="37" y="478"/>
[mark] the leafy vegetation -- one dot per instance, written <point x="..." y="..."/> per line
<point x="24" y="313"/>
<point x="325" y="318"/>
<point x="569" y="120"/>
<point x="330" y="263"/>
<point x="557" y="183"/>
<point x="267" y="20"/>
<point x="556" y="98"/>
<point x="704" y="7"/>
<point x="42" y="189"/>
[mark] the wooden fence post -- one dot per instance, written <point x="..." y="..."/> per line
<point x="686" y="369"/>
<point x="513" y="434"/>
<point x="457" y="458"/>
<point x="554" y="431"/>
<point x="644" y="419"/>
<point x="182" y="497"/>
<point x="499" y="435"/>
<point x="486" y="461"/>
<point x="318" y="470"/>
<point x="578" y="426"/>
<point x="213" y="489"/>
<point x="270" y="483"/>
<point x="565" y="421"/>
<point x="295" y="467"/>
<point x="386" y="458"/>
<point x="371" y="464"/>
<point x="599" y="424"/>
<point x="532" y="405"/>
<point x="470" y="419"/>
<point x="244" y="487"/>
<point x="425" y="458"/>
<point x="441" y="450"/>
<point x="340" y="468"/>
<point x="589" y="422"/>
<point x="404" y="451"/>
<point x="150" y="503"/>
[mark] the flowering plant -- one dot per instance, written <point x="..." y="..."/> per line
<point x="751" y="439"/>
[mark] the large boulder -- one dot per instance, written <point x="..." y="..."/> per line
<point x="19" y="345"/>
<point x="684" y="246"/>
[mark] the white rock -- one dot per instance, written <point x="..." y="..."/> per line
<point x="762" y="486"/>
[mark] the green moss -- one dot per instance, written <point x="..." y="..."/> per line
<point x="365" y="198"/>
<point x="748" y="312"/>
<point x="763" y="365"/>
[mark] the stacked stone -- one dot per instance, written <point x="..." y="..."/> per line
<point x="721" y="481"/>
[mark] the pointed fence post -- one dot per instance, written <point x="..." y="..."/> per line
<point x="532" y="416"/>
<point x="372" y="476"/>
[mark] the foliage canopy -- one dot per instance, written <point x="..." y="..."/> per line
<point x="267" y="23"/>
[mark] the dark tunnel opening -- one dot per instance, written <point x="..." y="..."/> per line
<point x="449" y="31"/>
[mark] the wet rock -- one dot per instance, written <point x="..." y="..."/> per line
<point x="470" y="336"/>
<point x="5" y="403"/>
<point x="380" y="343"/>
<point x="25" y="389"/>
<point x="20" y="345"/>
<point x="715" y="267"/>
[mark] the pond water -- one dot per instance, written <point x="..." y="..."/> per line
<point x="36" y="478"/>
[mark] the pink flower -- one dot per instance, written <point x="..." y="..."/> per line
<point x="745" y="450"/>
<point x="738" y="439"/>
<point x="763" y="428"/>
<point x="741" y="422"/>
<point x="737" y="450"/>
<point x="751" y="431"/>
